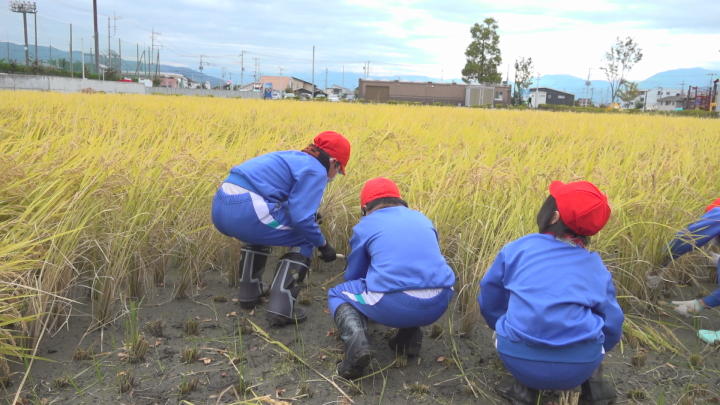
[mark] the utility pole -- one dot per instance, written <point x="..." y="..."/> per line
<point x="35" y="24"/>
<point x="115" y="18"/>
<point x="587" y="87"/>
<point x="97" y="39"/>
<point x="71" y="54"/>
<point x="152" y="49"/>
<point x="537" y="89"/>
<point x="368" y="69"/>
<point x="242" y="69"/>
<point x="82" y="55"/>
<point x="326" y="73"/>
<point x="24" y="7"/>
<point x="255" y="74"/>
<point x="313" y="74"/>
<point x="282" y="91"/>
<point x="343" y="80"/>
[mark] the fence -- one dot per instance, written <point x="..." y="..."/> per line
<point x="66" y="84"/>
<point x="203" y="92"/>
<point x="70" y="85"/>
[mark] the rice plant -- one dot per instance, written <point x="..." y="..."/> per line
<point x="125" y="381"/>
<point x="111" y="192"/>
<point x="188" y="384"/>
<point x="135" y="343"/>
<point x="192" y="327"/>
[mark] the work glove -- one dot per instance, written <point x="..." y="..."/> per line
<point x="714" y="257"/>
<point x="318" y="218"/>
<point x="687" y="308"/>
<point x="327" y="252"/>
<point x="653" y="281"/>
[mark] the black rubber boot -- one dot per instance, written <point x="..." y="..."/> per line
<point x="596" y="390"/>
<point x="518" y="394"/>
<point x="352" y="327"/>
<point x="406" y="341"/>
<point x="252" y="267"/>
<point x="291" y="271"/>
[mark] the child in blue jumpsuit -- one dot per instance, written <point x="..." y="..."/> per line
<point x="552" y="302"/>
<point x="705" y="231"/>
<point x="396" y="276"/>
<point x="272" y="200"/>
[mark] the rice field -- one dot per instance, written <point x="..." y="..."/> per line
<point x="102" y="196"/>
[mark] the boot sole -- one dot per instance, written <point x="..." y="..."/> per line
<point x="279" y="320"/>
<point x="357" y="370"/>
<point x="248" y="304"/>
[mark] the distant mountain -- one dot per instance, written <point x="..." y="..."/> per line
<point x="680" y="78"/>
<point x="10" y="51"/>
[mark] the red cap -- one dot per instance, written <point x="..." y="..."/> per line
<point x="378" y="188"/>
<point x="712" y="205"/>
<point x="335" y="145"/>
<point x="582" y="207"/>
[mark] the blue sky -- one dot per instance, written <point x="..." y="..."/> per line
<point x="399" y="38"/>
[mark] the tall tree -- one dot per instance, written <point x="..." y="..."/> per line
<point x="523" y="77"/>
<point x="623" y="55"/>
<point x="483" y="54"/>
<point x="628" y="92"/>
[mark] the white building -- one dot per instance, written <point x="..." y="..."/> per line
<point x="650" y="97"/>
<point x="671" y="103"/>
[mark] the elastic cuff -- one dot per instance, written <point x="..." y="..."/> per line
<point x="711" y="301"/>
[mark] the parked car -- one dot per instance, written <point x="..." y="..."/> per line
<point x="350" y="97"/>
<point x="289" y="96"/>
<point x="334" y="97"/>
<point x="275" y="95"/>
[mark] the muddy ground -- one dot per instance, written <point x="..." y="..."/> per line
<point x="454" y="368"/>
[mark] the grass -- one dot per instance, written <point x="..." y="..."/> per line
<point x="135" y="344"/>
<point x="111" y="192"/>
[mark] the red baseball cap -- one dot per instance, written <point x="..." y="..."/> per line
<point x="335" y="145"/>
<point x="378" y="188"/>
<point x="582" y="207"/>
<point x="712" y="205"/>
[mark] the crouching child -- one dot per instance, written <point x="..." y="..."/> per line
<point x="552" y="302"/>
<point x="395" y="276"/>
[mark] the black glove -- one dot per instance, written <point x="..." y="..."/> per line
<point x="327" y="253"/>
<point x="318" y="218"/>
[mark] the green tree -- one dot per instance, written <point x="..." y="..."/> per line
<point x="623" y="55"/>
<point x="483" y="54"/>
<point x="628" y="91"/>
<point x="523" y="78"/>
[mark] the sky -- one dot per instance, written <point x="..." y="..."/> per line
<point x="398" y="37"/>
